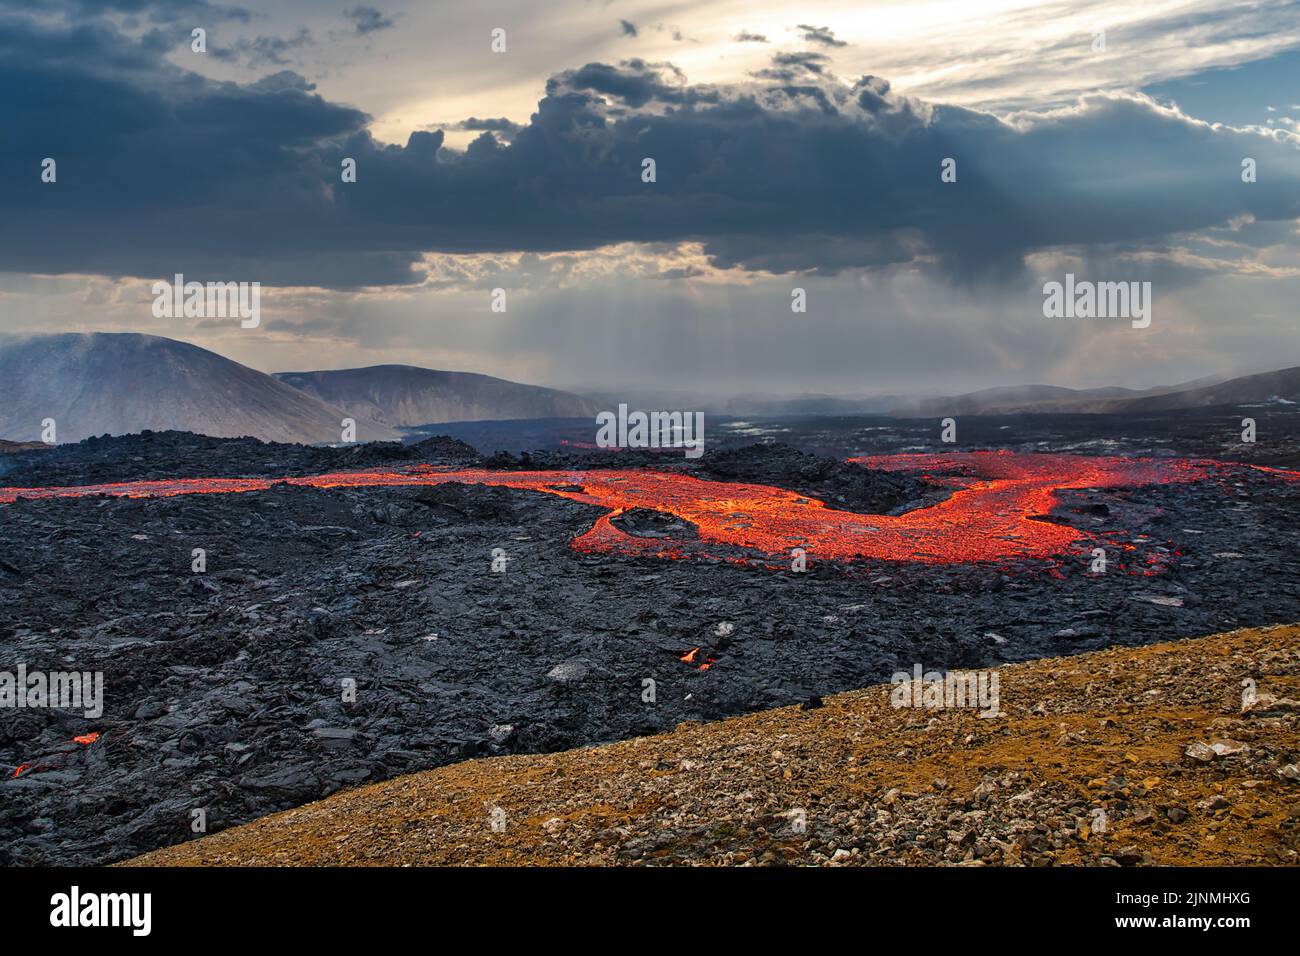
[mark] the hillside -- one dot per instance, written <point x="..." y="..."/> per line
<point x="1282" y="385"/>
<point x="120" y="383"/>
<point x="1156" y="738"/>
<point x="1016" y="398"/>
<point x="1052" y="399"/>
<point x="404" y="395"/>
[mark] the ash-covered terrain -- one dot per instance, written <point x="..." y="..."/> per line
<point x="228" y="691"/>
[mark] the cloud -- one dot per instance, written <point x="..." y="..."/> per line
<point x="163" y="171"/>
<point x="367" y="20"/>
<point x="628" y="27"/>
<point x="744" y="36"/>
<point x="152" y="11"/>
<point x="787" y="67"/>
<point x="263" y="50"/>
<point x="822" y="35"/>
<point x="497" y="125"/>
<point x="634" y="83"/>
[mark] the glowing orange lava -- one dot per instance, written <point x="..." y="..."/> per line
<point x="990" y="515"/>
<point x="690" y="658"/>
<point x="32" y="766"/>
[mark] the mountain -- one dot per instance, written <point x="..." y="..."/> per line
<point x="1013" y="398"/>
<point x="748" y="404"/>
<point x="1283" y="385"/>
<point x="402" y="395"/>
<point x="1052" y="399"/>
<point x="118" y="383"/>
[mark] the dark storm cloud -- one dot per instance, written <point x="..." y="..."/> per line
<point x="367" y="19"/>
<point x="490" y="125"/>
<point x="162" y="171"/>
<point x="153" y="11"/>
<point x="634" y="83"/>
<point x="787" y="67"/>
<point x="822" y="35"/>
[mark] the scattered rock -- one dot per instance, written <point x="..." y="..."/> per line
<point x="569" y="672"/>
<point x="1201" y="751"/>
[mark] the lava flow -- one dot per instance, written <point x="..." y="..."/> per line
<point x="690" y="657"/>
<point x="991" y="514"/>
<point x="84" y="740"/>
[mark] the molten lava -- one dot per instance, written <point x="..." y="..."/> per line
<point x="690" y="658"/>
<point x="990" y="516"/>
<point x="32" y="766"/>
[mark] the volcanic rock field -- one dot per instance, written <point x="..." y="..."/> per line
<point x="228" y="690"/>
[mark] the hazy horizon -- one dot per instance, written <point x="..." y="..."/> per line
<point x="634" y="394"/>
<point x="793" y="152"/>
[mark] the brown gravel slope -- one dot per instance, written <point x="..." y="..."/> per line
<point x="1156" y="738"/>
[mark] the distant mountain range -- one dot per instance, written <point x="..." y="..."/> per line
<point x="118" y="383"/>
<point x="749" y="404"/>
<point x="405" y="395"/>
<point x="1280" y="386"/>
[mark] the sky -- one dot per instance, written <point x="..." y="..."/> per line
<point x="795" y="150"/>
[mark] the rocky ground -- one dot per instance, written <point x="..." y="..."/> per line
<point x="155" y="455"/>
<point x="225" y="691"/>
<point x="1116" y="758"/>
<point x="1200" y="432"/>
